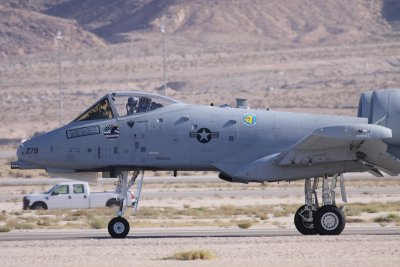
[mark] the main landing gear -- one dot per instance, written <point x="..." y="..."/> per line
<point x="118" y="227"/>
<point x="327" y="219"/>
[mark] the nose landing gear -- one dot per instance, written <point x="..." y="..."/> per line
<point x="118" y="227"/>
<point x="311" y="219"/>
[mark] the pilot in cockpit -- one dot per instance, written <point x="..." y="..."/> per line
<point x="131" y="105"/>
<point x="144" y="104"/>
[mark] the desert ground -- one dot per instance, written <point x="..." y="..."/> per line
<point x="369" y="251"/>
<point x="284" y="55"/>
<point x="324" y="80"/>
<point x="172" y="211"/>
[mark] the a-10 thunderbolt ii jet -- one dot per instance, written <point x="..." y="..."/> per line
<point x="126" y="133"/>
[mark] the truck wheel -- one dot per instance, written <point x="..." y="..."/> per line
<point x="118" y="227"/>
<point x="39" y="206"/>
<point x="111" y="203"/>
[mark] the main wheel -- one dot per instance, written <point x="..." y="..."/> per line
<point x="304" y="227"/>
<point x="118" y="227"/>
<point x="329" y="220"/>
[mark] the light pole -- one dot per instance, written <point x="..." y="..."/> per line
<point x="59" y="38"/>
<point x="164" y="64"/>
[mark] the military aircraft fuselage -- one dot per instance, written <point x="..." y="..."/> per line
<point x="174" y="137"/>
<point x="131" y="131"/>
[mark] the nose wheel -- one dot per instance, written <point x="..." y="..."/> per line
<point x="118" y="227"/>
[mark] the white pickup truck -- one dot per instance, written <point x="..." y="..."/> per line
<point x="70" y="195"/>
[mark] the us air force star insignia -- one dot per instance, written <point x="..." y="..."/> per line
<point x="204" y="135"/>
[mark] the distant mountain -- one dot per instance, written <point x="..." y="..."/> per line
<point x="28" y="26"/>
<point x="23" y="31"/>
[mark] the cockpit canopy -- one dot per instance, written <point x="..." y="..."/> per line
<point x="122" y="104"/>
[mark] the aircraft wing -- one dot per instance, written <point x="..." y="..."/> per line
<point x="332" y="143"/>
<point x="344" y="142"/>
<point x="328" y="146"/>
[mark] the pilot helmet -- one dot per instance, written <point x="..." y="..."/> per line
<point x="144" y="101"/>
<point x="132" y="101"/>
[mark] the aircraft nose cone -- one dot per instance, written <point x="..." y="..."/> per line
<point x="28" y="149"/>
<point x="20" y="151"/>
<point x="20" y="156"/>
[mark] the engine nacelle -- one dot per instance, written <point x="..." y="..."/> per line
<point x="382" y="107"/>
<point x="364" y="105"/>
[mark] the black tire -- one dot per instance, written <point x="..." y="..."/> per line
<point x="39" y="206"/>
<point x="305" y="228"/>
<point x="118" y="227"/>
<point x="329" y="220"/>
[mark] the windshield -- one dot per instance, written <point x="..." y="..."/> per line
<point x="137" y="103"/>
<point x="99" y="111"/>
<point x="51" y="189"/>
<point x="123" y="104"/>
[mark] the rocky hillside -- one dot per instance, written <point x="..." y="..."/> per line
<point x="23" y="31"/>
<point x="28" y="26"/>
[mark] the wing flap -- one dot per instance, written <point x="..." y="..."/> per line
<point x="375" y="153"/>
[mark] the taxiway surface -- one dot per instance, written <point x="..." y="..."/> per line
<point x="183" y="233"/>
<point x="367" y="247"/>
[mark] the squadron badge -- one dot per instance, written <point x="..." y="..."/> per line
<point x="249" y="119"/>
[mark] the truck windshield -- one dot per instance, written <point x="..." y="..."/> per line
<point x="51" y="189"/>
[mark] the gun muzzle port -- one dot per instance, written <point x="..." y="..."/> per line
<point x="14" y="165"/>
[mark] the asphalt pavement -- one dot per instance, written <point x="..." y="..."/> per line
<point x="182" y="233"/>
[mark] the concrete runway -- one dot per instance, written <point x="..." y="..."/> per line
<point x="182" y="233"/>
